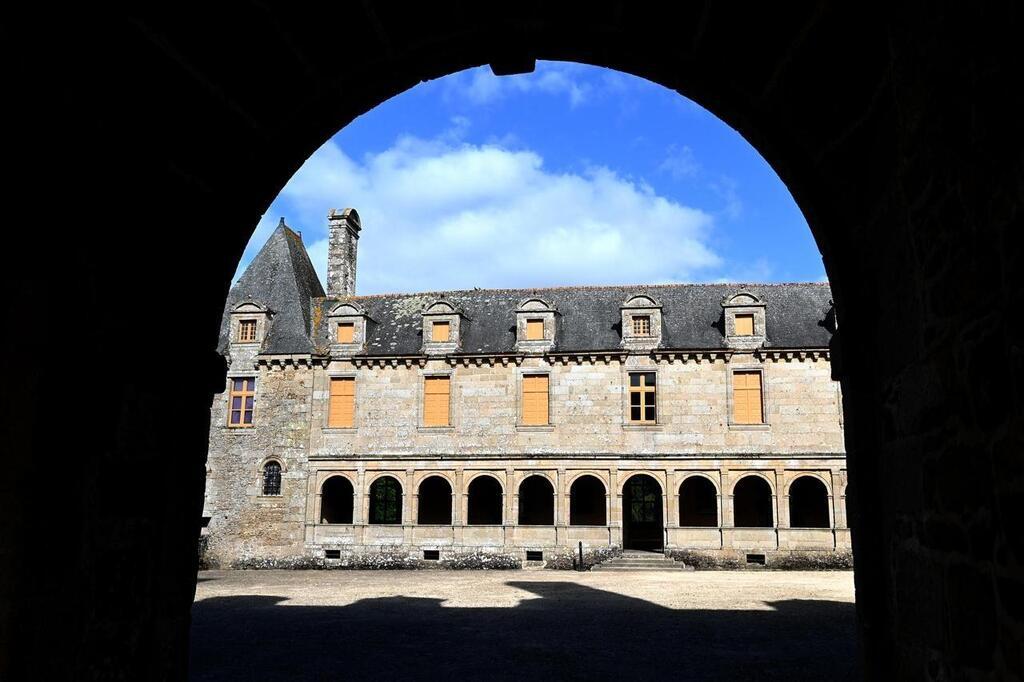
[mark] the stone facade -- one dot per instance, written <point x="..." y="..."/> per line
<point x="589" y="430"/>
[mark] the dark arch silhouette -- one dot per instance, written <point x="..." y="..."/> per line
<point x="698" y="502"/>
<point x="272" y="478"/>
<point x="435" y="501"/>
<point x="643" y="525"/>
<point x="864" y="116"/>
<point x="536" y="502"/>
<point x="386" y="500"/>
<point x="808" y="503"/>
<point x="336" y="500"/>
<point x="485" y="502"/>
<point x="752" y="503"/>
<point x="587" y="502"/>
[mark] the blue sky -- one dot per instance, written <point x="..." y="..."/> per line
<point x="569" y="175"/>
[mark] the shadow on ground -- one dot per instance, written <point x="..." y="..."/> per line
<point x="572" y="632"/>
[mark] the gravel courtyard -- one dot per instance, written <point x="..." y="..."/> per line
<point x="527" y="624"/>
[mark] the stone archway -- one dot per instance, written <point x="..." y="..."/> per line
<point x="895" y="132"/>
<point x="643" y="520"/>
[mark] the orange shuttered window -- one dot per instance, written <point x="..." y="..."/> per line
<point x="346" y="332"/>
<point x="440" y="331"/>
<point x="746" y="398"/>
<point x="744" y="325"/>
<point x="435" y="401"/>
<point x="535" y="400"/>
<point x="534" y="330"/>
<point x="342" y="411"/>
<point x="247" y="330"/>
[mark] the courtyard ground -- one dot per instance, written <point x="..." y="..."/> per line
<point x="528" y="624"/>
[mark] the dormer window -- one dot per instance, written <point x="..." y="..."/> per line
<point x="641" y="325"/>
<point x="349" y="323"/>
<point x="247" y="331"/>
<point x="535" y="326"/>
<point x="442" y="327"/>
<point x="440" y="332"/>
<point x="743" y="320"/>
<point x="640" y="318"/>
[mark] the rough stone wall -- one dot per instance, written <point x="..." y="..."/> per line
<point x="244" y="522"/>
<point x="588" y="410"/>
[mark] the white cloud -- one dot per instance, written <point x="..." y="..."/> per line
<point x="481" y="86"/>
<point x="438" y="214"/>
<point x="680" y="163"/>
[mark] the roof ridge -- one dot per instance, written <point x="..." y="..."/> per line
<point x="585" y="287"/>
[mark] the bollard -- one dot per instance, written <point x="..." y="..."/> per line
<point x="581" y="556"/>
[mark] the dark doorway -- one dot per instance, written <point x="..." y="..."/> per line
<point x="336" y="497"/>
<point x="485" y="502"/>
<point x="386" y="501"/>
<point x="435" y="502"/>
<point x="642" y="520"/>
<point x="587" y="502"/>
<point x="808" y="503"/>
<point x="698" y="503"/>
<point x="536" y="502"/>
<point x="752" y="503"/>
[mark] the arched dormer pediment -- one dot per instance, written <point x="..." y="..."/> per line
<point x="440" y="307"/>
<point x="250" y="307"/>
<point x="346" y="309"/>
<point x="534" y="305"/>
<point x="741" y="298"/>
<point x="744" y="320"/>
<point x="641" y="301"/>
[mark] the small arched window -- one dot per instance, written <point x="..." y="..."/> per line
<point x="272" y="478"/>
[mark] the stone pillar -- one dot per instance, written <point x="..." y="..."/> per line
<point x="343" y="241"/>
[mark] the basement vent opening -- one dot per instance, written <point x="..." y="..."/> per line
<point x="755" y="559"/>
<point x="534" y="555"/>
<point x="332" y="553"/>
<point x="432" y="554"/>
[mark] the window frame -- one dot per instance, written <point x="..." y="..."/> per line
<point x="346" y="325"/>
<point x="744" y="316"/>
<point x="523" y="375"/>
<point x="437" y="324"/>
<point x="280" y="478"/>
<point x="243" y="394"/>
<point x="251" y="324"/>
<point x="731" y="372"/>
<point x="642" y="390"/>
<point x="641" y="325"/>
<point x="331" y="378"/>
<point x="532" y="323"/>
<point x="423" y="402"/>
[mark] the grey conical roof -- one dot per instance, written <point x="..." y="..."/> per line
<point x="281" y="278"/>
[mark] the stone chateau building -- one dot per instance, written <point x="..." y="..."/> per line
<point x="676" y="417"/>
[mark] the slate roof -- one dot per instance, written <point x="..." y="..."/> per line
<point x="281" y="278"/>
<point x="589" y="318"/>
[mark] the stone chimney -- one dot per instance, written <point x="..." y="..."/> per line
<point x="341" y="252"/>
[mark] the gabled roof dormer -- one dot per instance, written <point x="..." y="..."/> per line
<point x="641" y="323"/>
<point x="535" y="326"/>
<point x="442" y="327"/>
<point x="744" y="319"/>
<point x="347" y="325"/>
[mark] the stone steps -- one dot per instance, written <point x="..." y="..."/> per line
<point x="641" y="561"/>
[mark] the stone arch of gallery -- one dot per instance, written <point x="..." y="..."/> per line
<point x="808" y="503"/>
<point x="485" y="502"/>
<point x="336" y="500"/>
<point x="385" y="500"/>
<point x="587" y="502"/>
<point x="434" y="501"/>
<point x="752" y="503"/>
<point x="536" y="502"/>
<point x="698" y="502"/>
